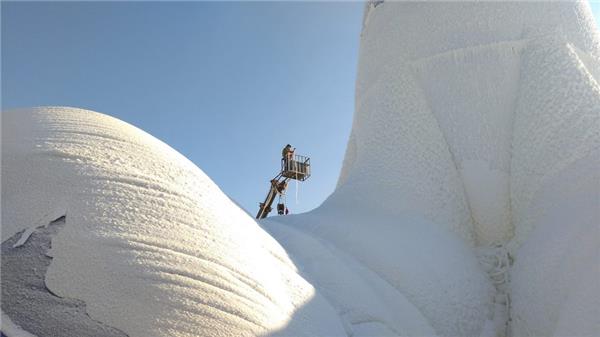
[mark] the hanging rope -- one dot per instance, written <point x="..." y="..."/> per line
<point x="297" y="184"/>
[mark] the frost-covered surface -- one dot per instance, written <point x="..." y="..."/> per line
<point x="10" y="329"/>
<point x="407" y="275"/>
<point x="447" y="93"/>
<point x="474" y="144"/>
<point x="557" y="123"/>
<point x="484" y="118"/>
<point x="42" y="313"/>
<point x="151" y="245"/>
<point x="556" y="275"/>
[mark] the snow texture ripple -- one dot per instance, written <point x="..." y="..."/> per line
<point x="485" y="119"/>
<point x="150" y="244"/>
<point x="467" y="204"/>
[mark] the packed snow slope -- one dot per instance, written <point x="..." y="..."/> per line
<point x="483" y="118"/>
<point x="451" y="97"/>
<point x="150" y="244"/>
<point x="152" y="247"/>
<point x="480" y="119"/>
<point x="475" y="143"/>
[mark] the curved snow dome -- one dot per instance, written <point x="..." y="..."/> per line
<point x="467" y="204"/>
<point x="150" y="244"/>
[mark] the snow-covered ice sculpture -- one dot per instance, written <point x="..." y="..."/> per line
<point x="151" y="244"/>
<point x="476" y="132"/>
<point x="482" y="119"/>
<point x="485" y="118"/>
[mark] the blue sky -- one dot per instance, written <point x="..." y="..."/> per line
<point x="227" y="84"/>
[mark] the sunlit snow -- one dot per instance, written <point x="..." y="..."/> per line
<point x="467" y="204"/>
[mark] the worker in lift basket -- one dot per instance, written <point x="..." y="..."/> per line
<point x="288" y="154"/>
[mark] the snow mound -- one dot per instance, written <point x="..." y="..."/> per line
<point x="151" y="245"/>
<point x="452" y="96"/>
<point x="405" y="273"/>
<point x="11" y="329"/>
<point x="484" y="118"/>
<point x="555" y="278"/>
<point x="474" y="143"/>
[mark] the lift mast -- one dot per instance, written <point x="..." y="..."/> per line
<point x="297" y="168"/>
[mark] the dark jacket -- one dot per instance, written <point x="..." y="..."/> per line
<point x="285" y="151"/>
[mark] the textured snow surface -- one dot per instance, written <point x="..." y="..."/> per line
<point x="151" y="245"/>
<point x="485" y="119"/>
<point x="408" y="266"/>
<point x="475" y="143"/>
<point x="453" y="94"/>
<point x="10" y="329"/>
<point x="556" y="276"/>
<point x="27" y="300"/>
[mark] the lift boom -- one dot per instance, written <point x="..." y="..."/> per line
<point x="297" y="168"/>
<point x="278" y="185"/>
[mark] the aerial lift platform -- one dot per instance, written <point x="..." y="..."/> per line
<point x="296" y="167"/>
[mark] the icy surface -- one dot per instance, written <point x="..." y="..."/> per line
<point x="24" y="237"/>
<point x="556" y="276"/>
<point x="484" y="118"/>
<point x="474" y="146"/>
<point x="10" y="329"/>
<point x="42" y="313"/>
<point x="151" y="245"/>
<point x="446" y="94"/>
<point x="557" y="123"/>
<point x="411" y="265"/>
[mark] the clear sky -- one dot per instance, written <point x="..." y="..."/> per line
<point x="227" y="84"/>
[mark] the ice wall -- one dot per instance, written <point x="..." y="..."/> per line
<point x="445" y="99"/>
<point x="557" y="123"/>
<point x="556" y="275"/>
<point x="485" y="118"/>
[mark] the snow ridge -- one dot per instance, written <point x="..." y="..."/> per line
<point x="475" y="144"/>
<point x="483" y="118"/>
<point x="152" y="246"/>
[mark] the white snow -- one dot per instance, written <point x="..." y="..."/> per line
<point x="412" y="264"/>
<point x="475" y="114"/>
<point x="475" y="142"/>
<point x="10" y="329"/>
<point x="151" y="245"/>
<point x="556" y="276"/>
<point x="484" y="118"/>
<point x="557" y="123"/>
<point x="360" y="296"/>
<point x="24" y="237"/>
